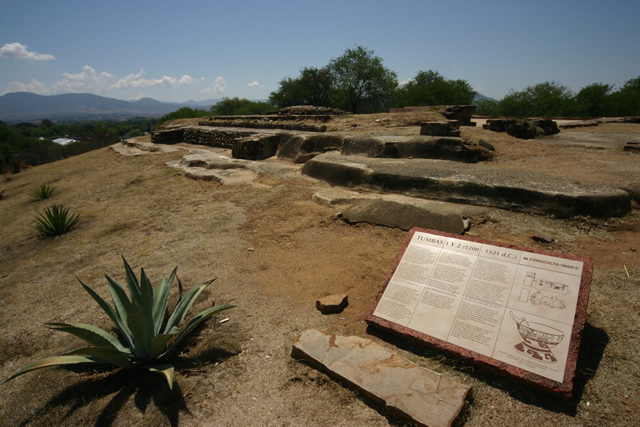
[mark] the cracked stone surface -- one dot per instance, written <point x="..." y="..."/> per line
<point x="422" y="396"/>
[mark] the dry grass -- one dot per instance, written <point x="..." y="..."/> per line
<point x="274" y="253"/>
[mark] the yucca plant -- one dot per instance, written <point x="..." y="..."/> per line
<point x="43" y="192"/>
<point x="146" y="331"/>
<point x="54" y="221"/>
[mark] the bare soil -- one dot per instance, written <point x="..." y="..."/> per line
<point x="274" y="252"/>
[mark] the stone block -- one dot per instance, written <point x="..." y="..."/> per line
<point x="440" y="128"/>
<point x="423" y="397"/>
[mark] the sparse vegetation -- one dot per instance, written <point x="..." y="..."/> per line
<point x="146" y="332"/>
<point x="55" y="221"/>
<point x="43" y="192"/>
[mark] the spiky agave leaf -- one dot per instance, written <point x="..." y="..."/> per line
<point x="195" y="322"/>
<point x="56" y="361"/>
<point x="54" y="221"/>
<point x="91" y="334"/>
<point x="184" y="304"/>
<point x="141" y="323"/>
<point x="165" y="370"/>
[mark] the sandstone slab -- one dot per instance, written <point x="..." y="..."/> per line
<point x="422" y="396"/>
<point x="403" y="216"/>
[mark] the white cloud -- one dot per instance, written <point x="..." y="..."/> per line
<point x="19" y="51"/>
<point x="219" y="85"/>
<point x="405" y="82"/>
<point x="138" y="80"/>
<point x="34" y="86"/>
<point x="254" y="84"/>
<point x="90" y="81"/>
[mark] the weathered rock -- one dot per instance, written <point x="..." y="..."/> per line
<point x="403" y="216"/>
<point x="542" y="238"/>
<point x="440" y="128"/>
<point x="256" y="147"/>
<point x="634" y="191"/>
<point x="423" y="397"/>
<point x="461" y="113"/>
<point x="332" y="303"/>
<point x="303" y="147"/>
<point x="418" y="147"/>
<point x="168" y="136"/>
<point x="632" y="146"/>
<point x="548" y="126"/>
<point x="523" y="128"/>
<point x="482" y="185"/>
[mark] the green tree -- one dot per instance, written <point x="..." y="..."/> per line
<point x="314" y="86"/>
<point x="362" y="83"/>
<point x="183" y="113"/>
<point x="240" y="107"/>
<point x="432" y="88"/>
<point x="627" y="99"/>
<point x="594" y="100"/>
<point x="549" y="99"/>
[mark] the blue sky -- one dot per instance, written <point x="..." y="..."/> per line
<point x="176" y="51"/>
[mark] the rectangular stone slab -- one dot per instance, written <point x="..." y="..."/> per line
<point x="515" y="309"/>
<point x="422" y="396"/>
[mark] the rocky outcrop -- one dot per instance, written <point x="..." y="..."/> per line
<point x="424" y="147"/>
<point x="523" y="128"/>
<point x="440" y="128"/>
<point x="256" y="147"/>
<point x="303" y="147"/>
<point x="461" y="113"/>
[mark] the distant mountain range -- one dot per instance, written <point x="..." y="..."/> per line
<point x="481" y="97"/>
<point x="27" y="106"/>
<point x="30" y="107"/>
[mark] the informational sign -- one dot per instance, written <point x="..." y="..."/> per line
<point x="508" y="305"/>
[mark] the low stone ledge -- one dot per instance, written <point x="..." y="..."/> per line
<point x="440" y="128"/>
<point x="418" y="147"/>
<point x="477" y="185"/>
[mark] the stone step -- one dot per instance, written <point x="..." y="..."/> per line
<point x="476" y="184"/>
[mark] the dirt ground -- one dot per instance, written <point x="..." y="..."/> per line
<point x="274" y="252"/>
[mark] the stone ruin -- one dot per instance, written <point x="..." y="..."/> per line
<point x="523" y="128"/>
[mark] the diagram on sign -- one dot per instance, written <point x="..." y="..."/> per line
<point x="538" y="339"/>
<point x="543" y="292"/>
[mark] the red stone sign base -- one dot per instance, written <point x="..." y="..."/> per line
<point x="525" y="324"/>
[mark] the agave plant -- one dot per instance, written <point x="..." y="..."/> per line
<point x="55" y="221"/>
<point x="43" y="192"/>
<point x="147" y="332"/>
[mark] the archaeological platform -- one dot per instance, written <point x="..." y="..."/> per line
<point x="516" y="309"/>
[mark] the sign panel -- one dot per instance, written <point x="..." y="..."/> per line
<point x="511" y="307"/>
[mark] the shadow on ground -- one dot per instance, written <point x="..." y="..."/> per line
<point x="592" y="346"/>
<point x="145" y="387"/>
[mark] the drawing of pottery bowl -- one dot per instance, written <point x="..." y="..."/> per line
<point x="538" y="339"/>
<point x="540" y="336"/>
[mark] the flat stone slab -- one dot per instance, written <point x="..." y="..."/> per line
<point x="422" y="396"/>
<point x="403" y="216"/>
<point x="477" y="184"/>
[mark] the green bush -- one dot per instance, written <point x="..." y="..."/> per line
<point x="55" y="221"/>
<point x="146" y="332"/>
<point x="43" y="192"/>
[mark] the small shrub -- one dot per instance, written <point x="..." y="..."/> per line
<point x="43" y="192"/>
<point x="54" y="221"/>
<point x="146" y="331"/>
